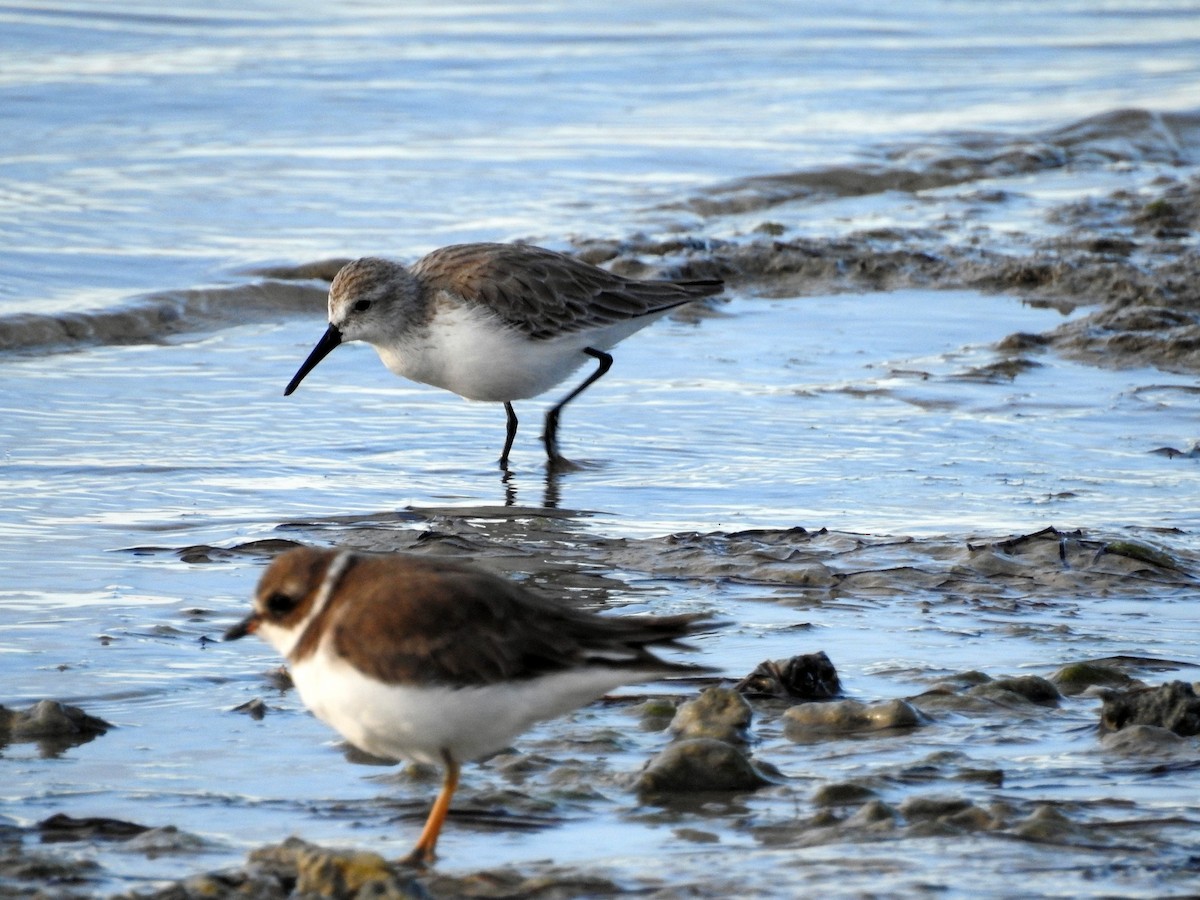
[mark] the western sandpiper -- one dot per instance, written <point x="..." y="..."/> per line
<point x="498" y="322"/>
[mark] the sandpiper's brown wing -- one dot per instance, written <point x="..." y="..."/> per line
<point x="543" y="293"/>
<point x="440" y="622"/>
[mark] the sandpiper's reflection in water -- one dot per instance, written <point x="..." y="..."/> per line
<point x="551" y="496"/>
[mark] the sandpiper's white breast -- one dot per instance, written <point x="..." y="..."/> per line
<point x="471" y="352"/>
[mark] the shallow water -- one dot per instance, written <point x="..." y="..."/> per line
<point x="116" y="624"/>
<point x="147" y="149"/>
<point x="147" y="447"/>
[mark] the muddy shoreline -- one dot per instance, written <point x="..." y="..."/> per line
<point x="1127" y="262"/>
<point x="1129" y="258"/>
<point x="938" y="795"/>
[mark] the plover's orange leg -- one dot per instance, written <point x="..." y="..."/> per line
<point x="423" y="853"/>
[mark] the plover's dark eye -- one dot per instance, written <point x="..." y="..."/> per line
<point x="280" y="604"/>
<point x="362" y="305"/>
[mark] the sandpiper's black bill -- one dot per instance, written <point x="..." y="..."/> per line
<point x="329" y="340"/>
<point x="242" y="628"/>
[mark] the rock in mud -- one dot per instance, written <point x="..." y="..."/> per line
<point x="1135" y="740"/>
<point x="656" y="714"/>
<point x="62" y="827"/>
<point x="552" y="883"/>
<point x="1076" y="678"/>
<point x="718" y="713"/>
<point x="1031" y="688"/>
<point x="977" y="693"/>
<point x="1143" y="552"/>
<point x="1174" y="706"/>
<point x="874" y="815"/>
<point x="945" y="816"/>
<point x="296" y="869"/>
<point x="1175" y="453"/>
<point x="809" y="721"/>
<point x="700" y="764"/>
<point x="52" y="725"/>
<point x="255" y="709"/>
<point x="810" y="676"/>
<point x="843" y="793"/>
<point x="43" y="877"/>
<point x="1051" y="826"/>
<point x="319" y="872"/>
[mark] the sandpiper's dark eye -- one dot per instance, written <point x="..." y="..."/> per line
<point x="362" y="305"/>
<point x="280" y="604"/>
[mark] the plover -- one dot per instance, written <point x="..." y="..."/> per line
<point x="441" y="662"/>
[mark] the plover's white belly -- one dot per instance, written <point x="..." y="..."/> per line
<point x="419" y="722"/>
<point x="478" y="357"/>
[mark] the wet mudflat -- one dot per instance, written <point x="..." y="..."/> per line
<point x="996" y="650"/>
<point x="1022" y="555"/>
<point x="941" y="430"/>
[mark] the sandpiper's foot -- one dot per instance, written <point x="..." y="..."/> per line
<point x="559" y="463"/>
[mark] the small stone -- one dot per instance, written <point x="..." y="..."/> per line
<point x="1142" y="553"/>
<point x="944" y="816"/>
<point x="1173" y="705"/>
<point x="1075" y="678"/>
<point x="918" y="808"/>
<point x="1049" y="825"/>
<point x="319" y="872"/>
<point x="255" y="708"/>
<point x="1143" y="739"/>
<point x="1017" y="692"/>
<point x="970" y="678"/>
<point x="874" y="814"/>
<point x="992" y="777"/>
<point x="280" y="679"/>
<point x="61" y="827"/>
<point x="332" y="873"/>
<point x="973" y="818"/>
<point x="807" y="721"/>
<point x="846" y="793"/>
<point x="168" y="839"/>
<point x="696" y="836"/>
<point x="700" y="764"/>
<point x="1033" y="688"/>
<point x="718" y="713"/>
<point x="53" y="726"/>
<point x="511" y="883"/>
<point x="27" y="874"/>
<point x="810" y="676"/>
<point x="655" y="714"/>
<point x="51" y="719"/>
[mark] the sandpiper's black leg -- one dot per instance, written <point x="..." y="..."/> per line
<point x="550" y="435"/>
<point x="510" y="436"/>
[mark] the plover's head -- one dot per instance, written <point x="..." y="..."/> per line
<point x="290" y="595"/>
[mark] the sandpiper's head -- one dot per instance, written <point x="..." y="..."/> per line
<point x="289" y="595"/>
<point x="366" y="296"/>
<point x="367" y="302"/>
